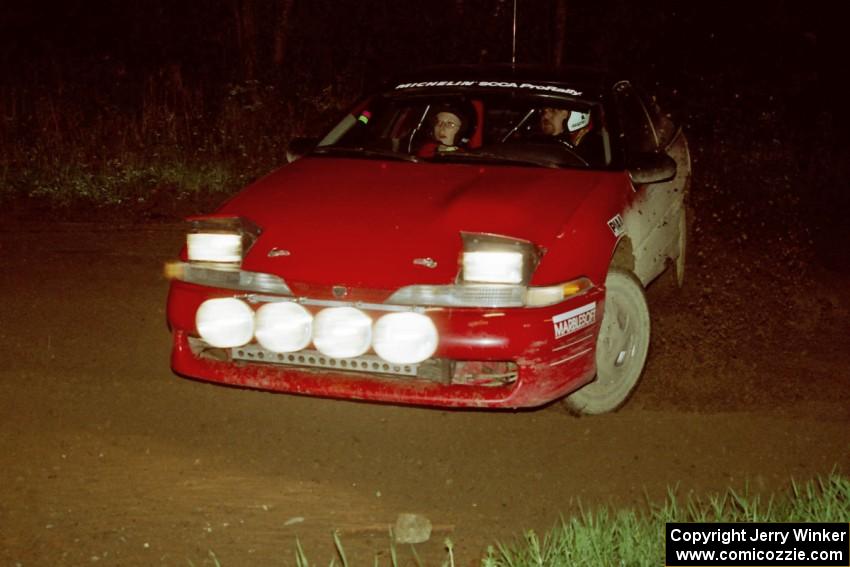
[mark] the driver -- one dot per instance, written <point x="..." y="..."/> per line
<point x="447" y="126"/>
<point x="567" y="126"/>
<point x="448" y="132"/>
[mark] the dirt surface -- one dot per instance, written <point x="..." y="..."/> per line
<point x="107" y="457"/>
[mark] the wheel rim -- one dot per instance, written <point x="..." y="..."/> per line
<point x="621" y="347"/>
<point x="618" y="352"/>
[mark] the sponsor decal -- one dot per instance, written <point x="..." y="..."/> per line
<point x="575" y="320"/>
<point x="492" y="84"/>
<point x="277" y="252"/>
<point x="427" y="262"/>
<point x="616" y="225"/>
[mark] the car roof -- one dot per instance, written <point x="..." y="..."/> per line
<point x="591" y="82"/>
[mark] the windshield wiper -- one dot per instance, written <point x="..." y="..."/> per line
<point x="360" y="151"/>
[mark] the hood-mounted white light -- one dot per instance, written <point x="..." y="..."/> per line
<point x="490" y="258"/>
<point x="220" y="239"/>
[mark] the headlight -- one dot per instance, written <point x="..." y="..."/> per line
<point x="482" y="295"/>
<point x="342" y="332"/>
<point x="552" y="294"/>
<point x="492" y="267"/>
<point x="222" y="240"/>
<point x="226" y="276"/>
<point x="488" y="258"/>
<point x="212" y="247"/>
<point x="283" y="327"/>
<point x="495" y="272"/>
<point x="225" y="322"/>
<point x="405" y="338"/>
<point x="460" y="295"/>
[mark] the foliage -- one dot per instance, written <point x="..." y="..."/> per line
<point x="170" y="144"/>
<point x="162" y="102"/>
<point x="627" y="537"/>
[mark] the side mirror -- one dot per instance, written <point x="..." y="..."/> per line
<point x="653" y="167"/>
<point x="300" y="147"/>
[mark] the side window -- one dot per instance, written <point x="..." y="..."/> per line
<point x="635" y="123"/>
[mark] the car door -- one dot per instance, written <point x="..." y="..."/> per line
<point x="655" y="222"/>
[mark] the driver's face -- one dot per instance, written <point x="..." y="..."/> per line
<point x="446" y="127"/>
<point x="552" y="120"/>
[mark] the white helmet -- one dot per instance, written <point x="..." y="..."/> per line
<point x="577" y="120"/>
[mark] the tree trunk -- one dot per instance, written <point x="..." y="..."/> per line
<point x="284" y="9"/>
<point x="246" y="37"/>
<point x="560" y="32"/>
<point x="456" y="37"/>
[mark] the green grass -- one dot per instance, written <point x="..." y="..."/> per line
<point x="164" y="143"/>
<point x="123" y="175"/>
<point x="628" y="537"/>
<point x="124" y="180"/>
<point x="605" y="537"/>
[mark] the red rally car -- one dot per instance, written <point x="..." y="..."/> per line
<point x="470" y="237"/>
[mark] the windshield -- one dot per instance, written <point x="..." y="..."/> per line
<point x="473" y="126"/>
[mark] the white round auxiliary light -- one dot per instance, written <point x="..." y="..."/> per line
<point x="225" y="322"/>
<point x="342" y="332"/>
<point x="284" y="327"/>
<point x="405" y="338"/>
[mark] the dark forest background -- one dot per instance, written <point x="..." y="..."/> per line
<point x="147" y="105"/>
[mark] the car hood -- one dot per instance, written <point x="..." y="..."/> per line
<point x="371" y="224"/>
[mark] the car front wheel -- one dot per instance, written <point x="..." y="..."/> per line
<point x="621" y="347"/>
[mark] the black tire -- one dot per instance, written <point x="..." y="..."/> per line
<point x="686" y="223"/>
<point x="621" y="347"/>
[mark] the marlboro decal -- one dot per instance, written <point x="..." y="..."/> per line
<point x="572" y="321"/>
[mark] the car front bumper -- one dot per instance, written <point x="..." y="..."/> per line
<point x="549" y="354"/>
